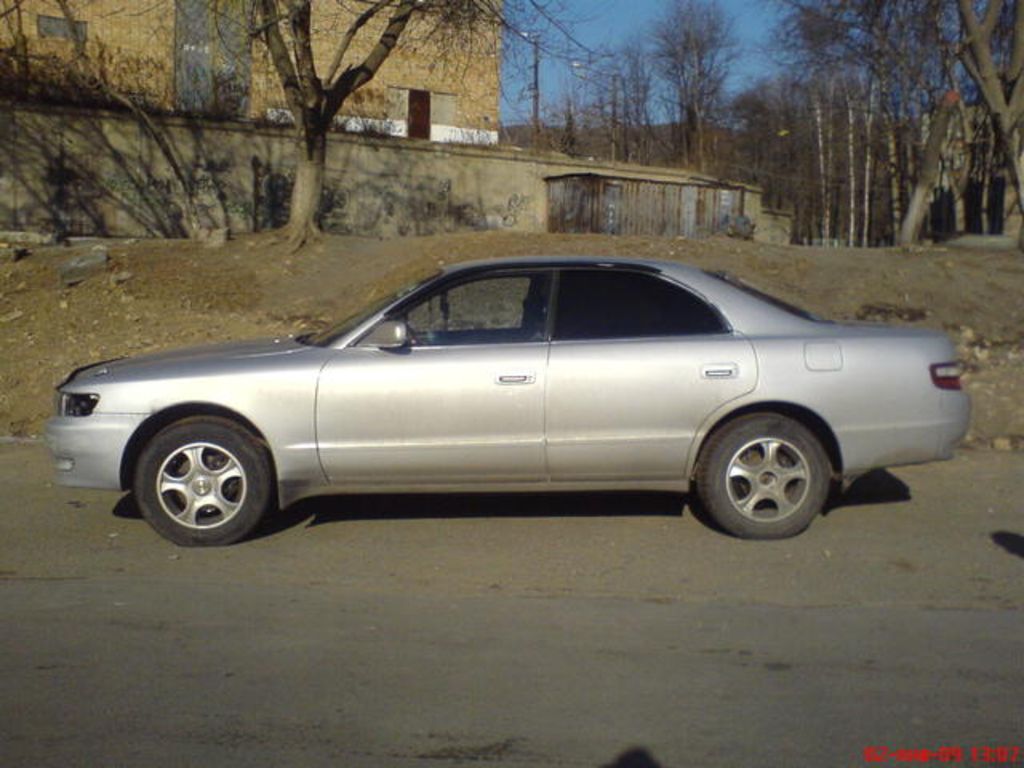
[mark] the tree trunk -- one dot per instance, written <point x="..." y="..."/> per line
<point x="21" y="61"/>
<point x="895" y="185"/>
<point x="698" y="138"/>
<point x="1001" y="86"/>
<point x="851" y="232"/>
<point x="304" y="216"/>
<point x="910" y="230"/>
<point x="21" y="55"/>
<point x="928" y="172"/>
<point x="1015" y="165"/>
<point x="865" y="240"/>
<point x="91" y="74"/>
<point x="823" y="174"/>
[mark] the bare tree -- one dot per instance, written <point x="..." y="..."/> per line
<point x="567" y="139"/>
<point x="869" y="119"/>
<point x="12" y="17"/>
<point x="896" y="47"/>
<point x="823" y="127"/>
<point x="694" y="47"/>
<point x="91" y="75"/>
<point x="929" y="168"/>
<point x="316" y="93"/>
<point x="911" y="45"/>
<point x="777" y="148"/>
<point x="851" y="154"/>
<point x="637" y="78"/>
<point x="999" y="76"/>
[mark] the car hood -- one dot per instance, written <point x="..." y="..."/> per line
<point x="188" y="359"/>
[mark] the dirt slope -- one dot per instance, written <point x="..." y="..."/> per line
<point x="158" y="294"/>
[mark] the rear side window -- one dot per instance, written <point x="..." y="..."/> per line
<point x="607" y="304"/>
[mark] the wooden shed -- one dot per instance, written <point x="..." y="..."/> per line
<point x="581" y="203"/>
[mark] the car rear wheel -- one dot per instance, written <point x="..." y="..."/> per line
<point x="763" y="476"/>
<point x="203" y="482"/>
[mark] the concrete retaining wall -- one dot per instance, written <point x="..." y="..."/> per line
<point x="83" y="172"/>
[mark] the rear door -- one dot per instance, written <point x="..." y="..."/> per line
<point x="636" y="365"/>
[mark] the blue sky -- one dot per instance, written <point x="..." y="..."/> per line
<point x="604" y="23"/>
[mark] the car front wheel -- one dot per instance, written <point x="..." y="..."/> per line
<point x="203" y="482"/>
<point x="763" y="476"/>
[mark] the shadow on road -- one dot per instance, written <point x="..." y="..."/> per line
<point x="876" y="487"/>
<point x="634" y="758"/>
<point x="126" y="508"/>
<point x="333" y="509"/>
<point x="1011" y="542"/>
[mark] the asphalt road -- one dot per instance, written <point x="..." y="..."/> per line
<point x="517" y="631"/>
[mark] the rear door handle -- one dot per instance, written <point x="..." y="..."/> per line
<point x="517" y="378"/>
<point x="720" y="371"/>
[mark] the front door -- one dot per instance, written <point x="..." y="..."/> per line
<point x="419" y="114"/>
<point x="462" y="404"/>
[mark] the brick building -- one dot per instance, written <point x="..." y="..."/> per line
<point x="197" y="57"/>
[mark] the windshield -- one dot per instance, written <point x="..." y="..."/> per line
<point x="785" y="306"/>
<point x="327" y="337"/>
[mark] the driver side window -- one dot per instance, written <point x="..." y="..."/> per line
<point x="492" y="310"/>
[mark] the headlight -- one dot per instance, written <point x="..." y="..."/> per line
<point x="75" y="404"/>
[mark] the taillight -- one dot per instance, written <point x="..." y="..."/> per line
<point x="947" y="375"/>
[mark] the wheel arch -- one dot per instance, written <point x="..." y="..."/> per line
<point x="161" y="419"/>
<point x="798" y="413"/>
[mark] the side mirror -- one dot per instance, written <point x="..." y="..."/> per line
<point x="387" y="334"/>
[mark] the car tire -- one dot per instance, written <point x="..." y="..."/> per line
<point x="763" y="476"/>
<point x="203" y="482"/>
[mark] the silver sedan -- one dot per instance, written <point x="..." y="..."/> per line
<point x="520" y="375"/>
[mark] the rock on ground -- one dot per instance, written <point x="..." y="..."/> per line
<point x="79" y="268"/>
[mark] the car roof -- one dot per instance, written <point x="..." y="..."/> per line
<point x="554" y="262"/>
<point x="744" y="312"/>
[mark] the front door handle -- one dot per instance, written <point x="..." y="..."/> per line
<point x="720" y="371"/>
<point x="517" y="378"/>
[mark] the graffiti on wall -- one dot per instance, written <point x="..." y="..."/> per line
<point x="517" y="205"/>
<point x="425" y="206"/>
<point x="96" y="174"/>
<point x="80" y="204"/>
